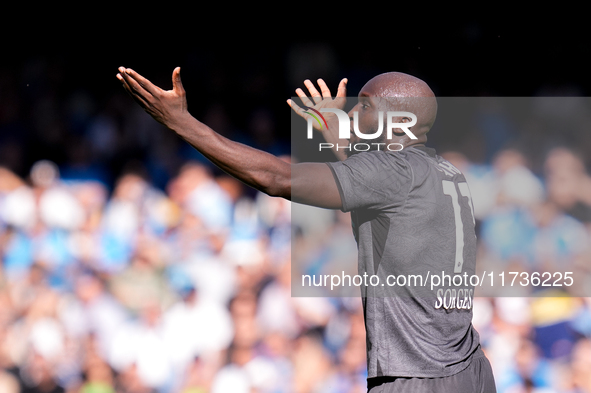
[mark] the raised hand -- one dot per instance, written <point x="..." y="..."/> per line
<point x="168" y="107"/>
<point x="318" y="101"/>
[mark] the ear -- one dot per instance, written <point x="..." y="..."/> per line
<point x="399" y="132"/>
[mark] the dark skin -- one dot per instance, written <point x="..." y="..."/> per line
<point x="308" y="183"/>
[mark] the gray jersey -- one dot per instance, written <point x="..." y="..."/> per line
<point x="412" y="218"/>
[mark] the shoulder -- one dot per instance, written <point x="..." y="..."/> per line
<point x="375" y="169"/>
<point x="372" y="179"/>
<point x="373" y="161"/>
<point x="425" y="163"/>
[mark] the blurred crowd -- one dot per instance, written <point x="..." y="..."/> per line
<point x="187" y="289"/>
<point x="144" y="290"/>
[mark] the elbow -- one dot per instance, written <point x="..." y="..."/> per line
<point x="277" y="186"/>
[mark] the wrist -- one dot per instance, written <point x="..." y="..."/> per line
<point x="181" y="122"/>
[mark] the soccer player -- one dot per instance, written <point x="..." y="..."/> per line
<point x="411" y="215"/>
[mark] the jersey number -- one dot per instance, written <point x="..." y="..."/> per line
<point x="449" y="188"/>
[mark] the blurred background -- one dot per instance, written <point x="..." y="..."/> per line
<point x="129" y="264"/>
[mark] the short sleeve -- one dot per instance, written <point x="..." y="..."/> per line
<point x="373" y="180"/>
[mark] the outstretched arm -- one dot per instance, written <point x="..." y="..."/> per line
<point x="308" y="183"/>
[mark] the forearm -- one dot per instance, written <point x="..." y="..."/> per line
<point x="254" y="167"/>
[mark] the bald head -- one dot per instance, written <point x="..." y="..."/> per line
<point x="403" y="92"/>
<point x="398" y="84"/>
